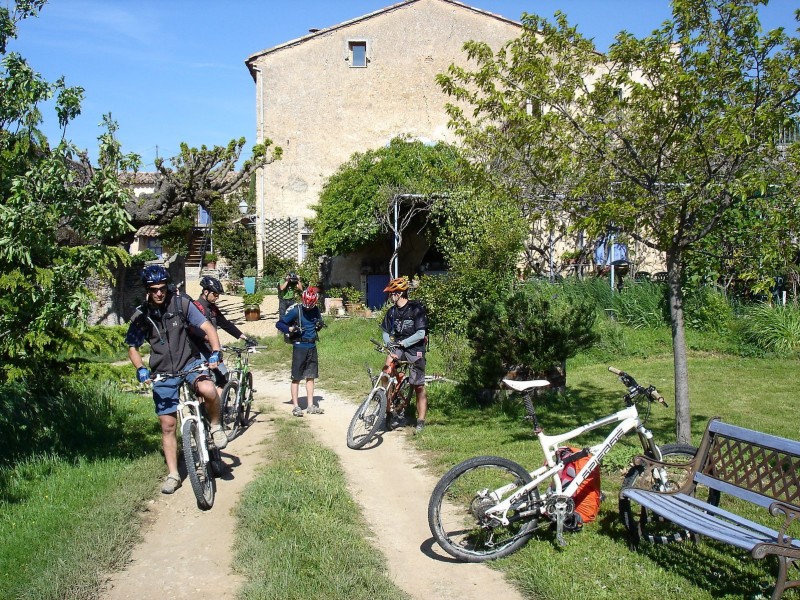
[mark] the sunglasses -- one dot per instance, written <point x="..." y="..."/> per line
<point x="158" y="290"/>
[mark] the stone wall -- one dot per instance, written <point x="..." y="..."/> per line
<point x="116" y="300"/>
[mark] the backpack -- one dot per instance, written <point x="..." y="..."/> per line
<point x="291" y="338"/>
<point x="588" y="496"/>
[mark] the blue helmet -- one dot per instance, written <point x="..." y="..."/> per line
<point x="153" y="274"/>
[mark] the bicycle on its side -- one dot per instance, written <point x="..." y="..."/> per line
<point x="386" y="401"/>
<point x="236" y="399"/>
<point x="200" y="454"/>
<point x="488" y="507"/>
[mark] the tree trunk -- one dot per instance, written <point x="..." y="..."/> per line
<point x="683" y="427"/>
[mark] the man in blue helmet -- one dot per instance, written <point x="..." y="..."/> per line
<point x="163" y="321"/>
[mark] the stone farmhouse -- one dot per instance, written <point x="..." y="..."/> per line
<point x="349" y="88"/>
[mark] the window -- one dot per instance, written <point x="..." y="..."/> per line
<point x="357" y="53"/>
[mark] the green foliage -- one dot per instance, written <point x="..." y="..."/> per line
<point x="54" y="212"/>
<point x="253" y="299"/>
<point x="346" y="216"/>
<point x="233" y="240"/>
<point x="641" y="304"/>
<point x="142" y="257"/>
<point x="773" y="329"/>
<point x="707" y="309"/>
<point x="531" y="330"/>
<point x="176" y="234"/>
<point x="250" y="272"/>
<point x="276" y="267"/>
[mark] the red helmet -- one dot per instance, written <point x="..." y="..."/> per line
<point x="310" y="296"/>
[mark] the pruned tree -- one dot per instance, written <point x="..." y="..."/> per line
<point x="662" y="138"/>
<point x="200" y="177"/>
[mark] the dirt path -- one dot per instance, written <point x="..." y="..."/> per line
<point x="387" y="481"/>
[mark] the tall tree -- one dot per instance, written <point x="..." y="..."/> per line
<point x="662" y="139"/>
<point x="54" y="210"/>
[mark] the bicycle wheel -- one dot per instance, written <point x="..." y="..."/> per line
<point x="399" y="404"/>
<point x="247" y="400"/>
<point x="457" y="509"/>
<point x="368" y="417"/>
<point x="197" y="469"/>
<point x="644" y="525"/>
<point x="229" y="409"/>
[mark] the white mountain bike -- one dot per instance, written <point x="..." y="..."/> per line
<point x="488" y="507"/>
<point x="200" y="454"/>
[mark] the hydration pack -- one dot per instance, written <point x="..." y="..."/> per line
<point x="587" y="498"/>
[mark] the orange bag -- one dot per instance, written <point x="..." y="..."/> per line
<point x="587" y="498"/>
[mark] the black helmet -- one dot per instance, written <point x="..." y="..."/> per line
<point x="153" y="274"/>
<point x="212" y="284"/>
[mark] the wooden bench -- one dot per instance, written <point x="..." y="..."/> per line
<point x="757" y="468"/>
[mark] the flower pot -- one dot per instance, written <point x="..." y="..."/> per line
<point x="332" y="305"/>
<point x="252" y="312"/>
<point x="250" y="285"/>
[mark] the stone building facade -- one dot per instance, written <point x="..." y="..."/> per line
<point x="353" y="87"/>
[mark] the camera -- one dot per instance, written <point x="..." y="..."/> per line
<point x="292" y="278"/>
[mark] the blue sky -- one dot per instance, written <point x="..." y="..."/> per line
<point x="173" y="71"/>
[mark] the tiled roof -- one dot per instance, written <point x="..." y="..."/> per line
<point x="139" y="178"/>
<point x="148" y="231"/>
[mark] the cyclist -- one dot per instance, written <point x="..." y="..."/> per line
<point x="286" y="292"/>
<point x="163" y="321"/>
<point x="405" y="326"/>
<point x="207" y="305"/>
<point x="302" y="322"/>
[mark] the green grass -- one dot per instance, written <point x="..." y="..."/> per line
<point x="301" y="535"/>
<point x="750" y="392"/>
<point x="65" y="524"/>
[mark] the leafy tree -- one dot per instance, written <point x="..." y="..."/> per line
<point x="54" y="211"/>
<point x="357" y="199"/>
<point x="662" y="139"/>
<point x="233" y="239"/>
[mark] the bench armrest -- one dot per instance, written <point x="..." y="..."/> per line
<point x="679" y="476"/>
<point x="790" y="513"/>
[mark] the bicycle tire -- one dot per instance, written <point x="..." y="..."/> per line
<point x="198" y="471"/>
<point x="644" y="525"/>
<point x="367" y="418"/>
<point x="230" y="406"/>
<point x="247" y="401"/>
<point x="400" y="402"/>
<point x="456" y="510"/>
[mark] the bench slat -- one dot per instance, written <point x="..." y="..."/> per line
<point x="732" y="530"/>
<point x="715" y="510"/>
<point x="733" y="490"/>
<point x="755" y="437"/>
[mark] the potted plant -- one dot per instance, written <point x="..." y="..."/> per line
<point x="249" y="277"/>
<point x="571" y="257"/>
<point x="252" y="306"/>
<point x="334" y="302"/>
<point x="352" y="297"/>
<point x="210" y="260"/>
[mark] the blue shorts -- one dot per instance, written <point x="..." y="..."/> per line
<point x="166" y="394"/>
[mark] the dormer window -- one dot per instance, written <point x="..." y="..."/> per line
<point x="357" y="53"/>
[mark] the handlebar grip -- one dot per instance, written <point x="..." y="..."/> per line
<point x="615" y="371"/>
<point x="659" y="398"/>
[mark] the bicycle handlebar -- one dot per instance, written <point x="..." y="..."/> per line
<point x="651" y="392"/>
<point x="163" y="376"/>
<point x="242" y="349"/>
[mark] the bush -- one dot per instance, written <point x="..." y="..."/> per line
<point x="641" y="304"/>
<point x="707" y="309"/>
<point x="530" y="331"/>
<point x="137" y="260"/>
<point x="772" y="329"/>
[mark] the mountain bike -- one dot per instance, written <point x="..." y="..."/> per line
<point x="488" y="507"/>
<point x="236" y="399"/>
<point x="200" y="454"/>
<point x="387" y="401"/>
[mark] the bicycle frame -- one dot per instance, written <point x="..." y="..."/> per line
<point x="628" y="419"/>
<point x="189" y="410"/>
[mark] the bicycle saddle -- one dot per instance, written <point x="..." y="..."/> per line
<point x="524" y="386"/>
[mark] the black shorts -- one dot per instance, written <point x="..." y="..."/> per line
<point x="305" y="364"/>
